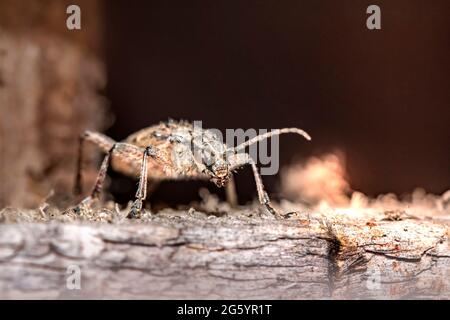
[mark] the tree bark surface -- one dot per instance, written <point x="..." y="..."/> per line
<point x="50" y="84"/>
<point x="179" y="254"/>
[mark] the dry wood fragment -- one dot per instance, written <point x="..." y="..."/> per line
<point x="188" y="254"/>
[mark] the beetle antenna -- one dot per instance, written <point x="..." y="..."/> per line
<point x="272" y="133"/>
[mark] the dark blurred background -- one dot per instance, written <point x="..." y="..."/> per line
<point x="382" y="96"/>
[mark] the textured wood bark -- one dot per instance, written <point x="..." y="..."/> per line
<point x="191" y="255"/>
<point x="48" y="96"/>
<point x="50" y="80"/>
<point x="49" y="17"/>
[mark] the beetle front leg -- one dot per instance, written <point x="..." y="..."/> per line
<point x="230" y="191"/>
<point x="262" y="194"/>
<point x="141" y="193"/>
<point x="244" y="159"/>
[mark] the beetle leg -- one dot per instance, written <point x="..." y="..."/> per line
<point x="230" y="191"/>
<point x="98" y="186"/>
<point x="262" y="194"/>
<point x="245" y="159"/>
<point x="105" y="143"/>
<point x="141" y="193"/>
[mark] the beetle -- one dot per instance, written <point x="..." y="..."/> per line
<point x="174" y="150"/>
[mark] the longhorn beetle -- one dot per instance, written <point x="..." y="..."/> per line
<point x="174" y="150"/>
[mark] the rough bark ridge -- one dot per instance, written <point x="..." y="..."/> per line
<point x="178" y="254"/>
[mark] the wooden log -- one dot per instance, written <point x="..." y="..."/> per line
<point x="242" y="255"/>
<point x="50" y="83"/>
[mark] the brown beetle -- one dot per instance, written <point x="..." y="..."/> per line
<point x="175" y="150"/>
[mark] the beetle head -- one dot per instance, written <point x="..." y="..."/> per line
<point x="220" y="173"/>
<point x="210" y="152"/>
<point x="216" y="165"/>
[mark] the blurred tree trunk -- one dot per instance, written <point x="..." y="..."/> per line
<point x="50" y="82"/>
